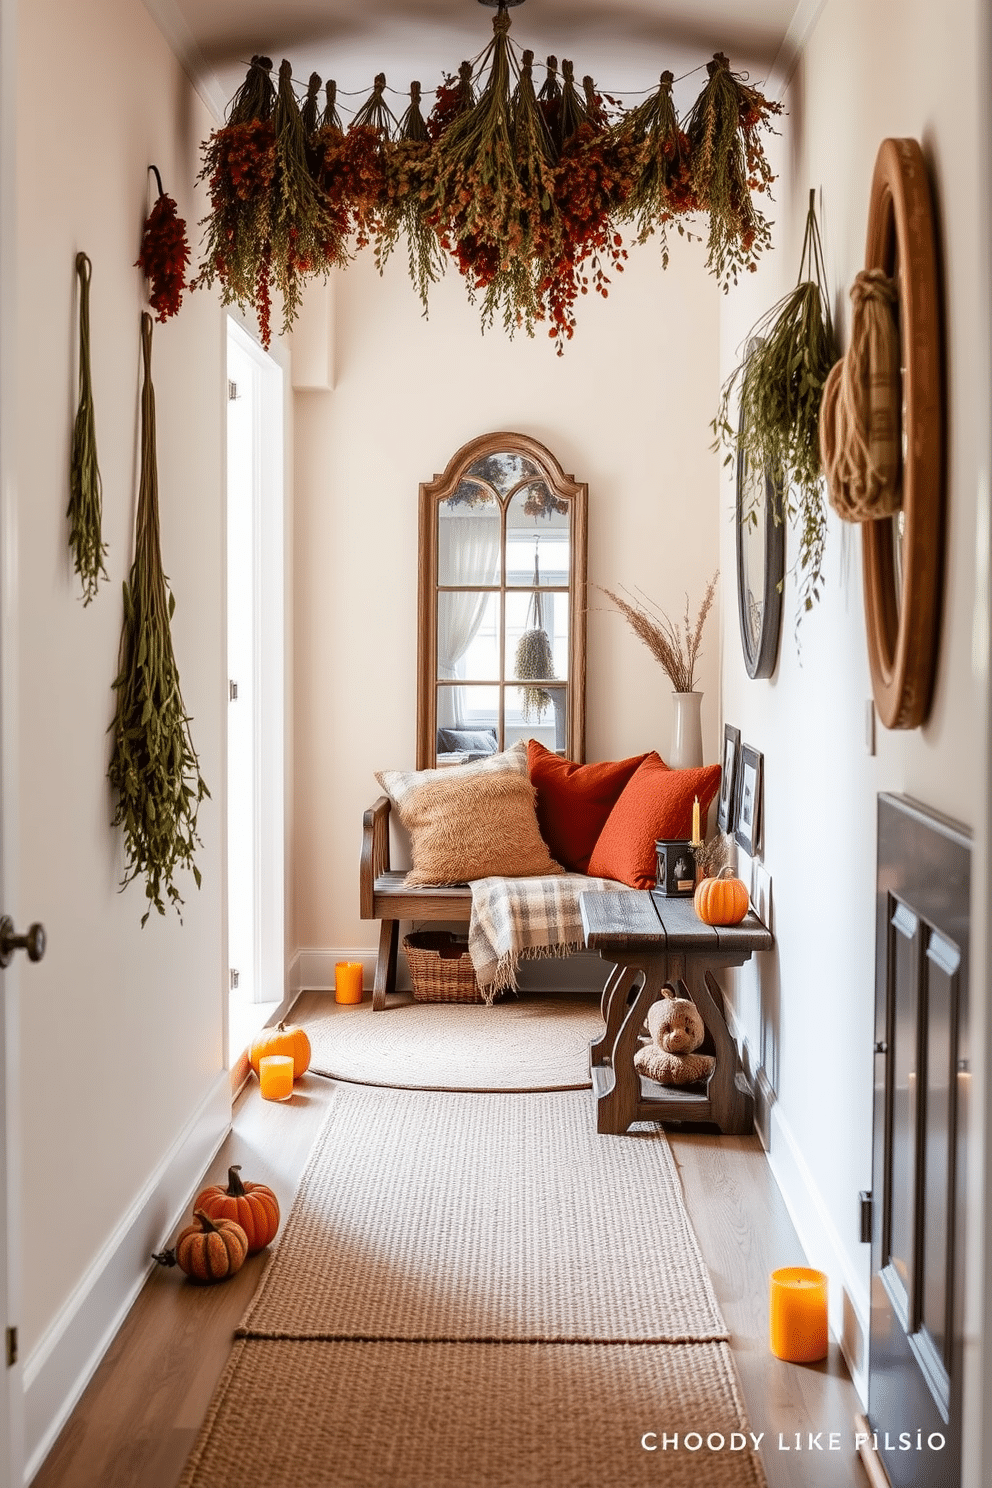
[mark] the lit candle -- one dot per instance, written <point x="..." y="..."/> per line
<point x="348" y="981"/>
<point x="275" y="1074"/>
<point x="696" y="839"/>
<point x="797" y="1315"/>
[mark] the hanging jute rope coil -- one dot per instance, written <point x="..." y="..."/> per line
<point x="861" y="412"/>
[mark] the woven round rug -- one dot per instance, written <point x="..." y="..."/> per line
<point x="529" y="1043"/>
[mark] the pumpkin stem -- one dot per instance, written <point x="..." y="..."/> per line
<point x="164" y="1257"/>
<point x="235" y="1187"/>
<point x="206" y="1223"/>
<point x="281" y="1026"/>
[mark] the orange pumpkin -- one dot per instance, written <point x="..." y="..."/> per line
<point x="211" y="1249"/>
<point x="251" y="1205"/>
<point x="721" y="901"/>
<point x="283" y="1039"/>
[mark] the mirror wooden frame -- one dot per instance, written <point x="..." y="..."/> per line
<point x="902" y="613"/>
<point x="432" y="493"/>
<point x="760" y="656"/>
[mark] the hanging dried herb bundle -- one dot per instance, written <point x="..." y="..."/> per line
<point x="728" y="164"/>
<point x="677" y="649"/>
<point x="307" y="232"/>
<point x="534" y="658"/>
<point x="780" y="387"/>
<point x="492" y="195"/>
<point x="454" y="97"/>
<point x="409" y="168"/>
<point x="164" y="254"/>
<point x="656" y="157"/>
<point x="85" y="511"/>
<point x="239" y="164"/>
<point x="154" y="770"/>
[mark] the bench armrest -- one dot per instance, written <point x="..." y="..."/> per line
<point x="375" y="853"/>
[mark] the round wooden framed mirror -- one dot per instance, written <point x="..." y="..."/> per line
<point x="760" y="565"/>
<point x="903" y="554"/>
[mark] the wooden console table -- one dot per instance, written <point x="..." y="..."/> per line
<point x="662" y="943"/>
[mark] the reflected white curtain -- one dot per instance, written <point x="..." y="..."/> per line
<point x="468" y="553"/>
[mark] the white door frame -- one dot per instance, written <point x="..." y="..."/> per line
<point x="269" y="680"/>
<point x="12" y="1394"/>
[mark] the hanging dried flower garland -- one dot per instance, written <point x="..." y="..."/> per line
<point x="154" y="769"/>
<point x="526" y="190"/>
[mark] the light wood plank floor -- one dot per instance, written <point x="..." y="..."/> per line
<point x="140" y="1415"/>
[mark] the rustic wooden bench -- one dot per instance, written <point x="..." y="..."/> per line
<point x="384" y="896"/>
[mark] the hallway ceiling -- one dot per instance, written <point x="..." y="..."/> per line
<point x="625" y="44"/>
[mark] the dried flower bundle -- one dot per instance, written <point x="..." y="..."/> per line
<point x="164" y="256"/>
<point x="154" y="769"/>
<point x="728" y="164"/>
<point x="409" y="167"/>
<point x="780" y="384"/>
<point x="675" y="646"/>
<point x="657" y="155"/>
<point x="713" y="856"/>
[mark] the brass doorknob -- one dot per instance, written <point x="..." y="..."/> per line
<point x="33" y="942"/>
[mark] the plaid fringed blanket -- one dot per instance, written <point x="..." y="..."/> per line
<point x="520" y="919"/>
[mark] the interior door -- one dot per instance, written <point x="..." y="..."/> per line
<point x="920" y="1136"/>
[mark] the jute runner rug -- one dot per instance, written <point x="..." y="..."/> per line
<point x="525" y="1043"/>
<point x="477" y="1291"/>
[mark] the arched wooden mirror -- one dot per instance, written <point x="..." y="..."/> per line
<point x="903" y="554"/>
<point x="502" y="628"/>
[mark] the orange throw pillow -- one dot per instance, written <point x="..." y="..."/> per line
<point x="574" y="801"/>
<point x="655" y="805"/>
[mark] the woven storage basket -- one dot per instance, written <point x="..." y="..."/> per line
<point x="440" y="967"/>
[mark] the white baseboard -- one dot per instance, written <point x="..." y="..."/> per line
<point x="63" y="1361"/>
<point x="312" y="970"/>
<point x="849" y="1299"/>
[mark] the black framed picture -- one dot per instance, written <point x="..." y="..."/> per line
<point x="750" y="771"/>
<point x="726" y="806"/>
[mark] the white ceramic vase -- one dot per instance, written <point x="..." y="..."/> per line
<point x="687" y="733"/>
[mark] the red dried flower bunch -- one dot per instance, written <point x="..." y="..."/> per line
<point x="528" y="193"/>
<point x="164" y="257"/>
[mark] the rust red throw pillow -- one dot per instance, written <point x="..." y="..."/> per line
<point x="655" y="804"/>
<point x="574" y="801"/>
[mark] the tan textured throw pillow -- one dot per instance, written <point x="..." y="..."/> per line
<point x="399" y="783"/>
<point x="475" y="826"/>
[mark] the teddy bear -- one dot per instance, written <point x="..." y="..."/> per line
<point x="676" y="1029"/>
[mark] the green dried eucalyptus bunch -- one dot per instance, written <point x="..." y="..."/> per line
<point x="779" y="385"/>
<point x="153" y="769"/>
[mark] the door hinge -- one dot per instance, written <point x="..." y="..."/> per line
<point x="232" y="691"/>
<point x="11" y="1346"/>
<point x="235" y="979"/>
<point x="232" y="391"/>
<point x="865" y="1200"/>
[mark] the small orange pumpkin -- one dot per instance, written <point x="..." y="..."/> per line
<point x="211" y="1249"/>
<point x="283" y="1039"/>
<point x="251" y="1205"/>
<point x="721" y="901"/>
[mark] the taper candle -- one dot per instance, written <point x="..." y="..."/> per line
<point x="797" y="1315"/>
<point x="696" y="839"/>
<point x="348" y="981"/>
<point x="275" y="1075"/>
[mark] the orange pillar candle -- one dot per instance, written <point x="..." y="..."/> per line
<point x="275" y="1074"/>
<point x="797" y="1315"/>
<point x="348" y="981"/>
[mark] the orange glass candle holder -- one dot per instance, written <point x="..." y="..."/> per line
<point x="797" y="1315"/>
<point x="348" y="981"/>
<point x="275" y="1075"/>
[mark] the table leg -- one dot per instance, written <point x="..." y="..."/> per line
<point x="615" y="994"/>
<point x="731" y="1100"/>
<point x="617" y="1107"/>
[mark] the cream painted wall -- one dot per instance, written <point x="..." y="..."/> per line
<point x="808" y="1013"/>
<point x="626" y="409"/>
<point x="121" y="1027"/>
